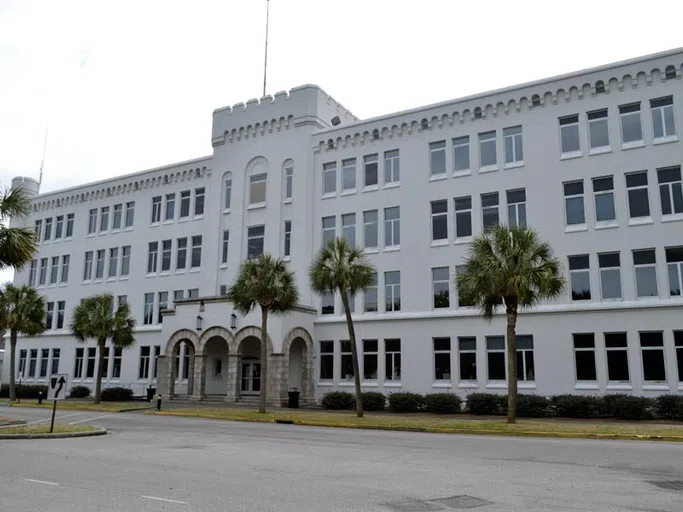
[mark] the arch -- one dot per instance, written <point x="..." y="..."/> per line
<point x="212" y="332"/>
<point x="181" y="335"/>
<point x="294" y="333"/>
<point x="670" y="72"/>
<point x="257" y="164"/>
<point x="248" y="332"/>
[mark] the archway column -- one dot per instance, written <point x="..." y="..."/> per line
<point x="276" y="384"/>
<point x="232" y="391"/>
<point x="197" y="375"/>
<point x="164" y="376"/>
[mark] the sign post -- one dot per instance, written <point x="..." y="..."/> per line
<point x="56" y="390"/>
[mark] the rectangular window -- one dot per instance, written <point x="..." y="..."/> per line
<point x="610" y="275"/>
<point x="38" y="229"/>
<point x="42" y="278"/>
<point x="638" y="195"/>
<point x="289" y="183"/>
<point x="678" y="342"/>
<point x="525" y="358"/>
<point x="44" y="362"/>
<point x="143" y="368"/>
<point x="156" y="209"/>
<point x="495" y="357"/>
<point x="196" y="261"/>
<point x="184" y="204"/>
<point x="48" y="229"/>
<point x="441" y="287"/>
<point x="597" y="129"/>
<point x="569" y="134"/>
<point x="152" y="257"/>
<point x="346" y="362"/>
<point x="104" y="218"/>
<point x="579" y="276"/>
<point x="467" y="348"/>
<point x="228" y="193"/>
<point x="166" y="248"/>
<point x="181" y="254"/>
<point x="118" y="214"/>
<point x="163" y="305"/>
<point x="125" y="260"/>
<point x="90" y="366"/>
<point x="199" y="196"/>
<point x="437" y="158"/>
<point x="87" y="266"/>
<point x="370" y="229"/>
<point x="370" y="296"/>
<point x="663" y="117"/>
<point x="348" y="174"/>
<point x="392" y="359"/>
<point x="370" y="359"/>
<point x="442" y="358"/>
<point x="54" y="270"/>
<point x="584" y="357"/>
<point x="392" y="290"/>
<point x="674" y="264"/>
<point x="130" y="214"/>
<point x="330" y="178"/>
<point x="603" y="194"/>
<point x="170" y="207"/>
<point x="489" y="211"/>
<point x="225" y="244"/>
<point x="616" y="347"/>
<point x="439" y="220"/>
<point x="99" y="267"/>
<point x="177" y="295"/>
<point x="631" y="127"/>
<point x="461" y="154"/>
<point x="255" y="240"/>
<point x="392" y="173"/>
<point x="573" y="203"/>
<point x="327" y="304"/>
<point x="54" y="370"/>
<point x="670" y="190"/>
<point x="33" y="361"/>
<point x="121" y="300"/>
<point x="22" y="363"/>
<point x="516" y="208"/>
<point x="326" y="360"/>
<point x="652" y="350"/>
<point x="463" y="217"/>
<point x="288" y="238"/>
<point x="193" y="293"/>
<point x="78" y="364"/>
<point x="392" y="227"/>
<point x="148" y="312"/>
<point x="59" y="226"/>
<point x="116" y="367"/>
<point x="113" y="261"/>
<point x="32" y="273"/>
<point x="92" y="220"/>
<point x="66" y="259"/>
<point x="487" y="149"/>
<point x="105" y="362"/>
<point x="645" y="266"/>
<point x="349" y="228"/>
<point x="49" y="315"/>
<point x="370" y="170"/>
<point x="69" y="225"/>
<point x="462" y="302"/>
<point x="329" y="229"/>
<point x="514" y="149"/>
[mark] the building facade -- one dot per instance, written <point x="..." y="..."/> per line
<point x="591" y="160"/>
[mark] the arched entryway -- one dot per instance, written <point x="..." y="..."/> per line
<point x="216" y="366"/>
<point x="181" y="352"/>
<point x="298" y="364"/>
<point x="250" y="367"/>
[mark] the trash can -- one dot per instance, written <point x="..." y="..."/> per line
<point x="293" y="398"/>
<point x="150" y="393"/>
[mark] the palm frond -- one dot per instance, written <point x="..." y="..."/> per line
<point x="14" y="203"/>
<point x="22" y="309"/>
<point x="340" y="266"/>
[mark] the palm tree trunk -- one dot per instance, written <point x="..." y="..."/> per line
<point x="512" y="362"/>
<point x="12" y="364"/>
<point x="354" y="354"/>
<point x="264" y="360"/>
<point x="100" y="364"/>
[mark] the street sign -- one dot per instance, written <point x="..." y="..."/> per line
<point x="56" y="389"/>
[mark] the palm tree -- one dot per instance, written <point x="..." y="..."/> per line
<point x="341" y="267"/>
<point x="264" y="281"/>
<point x="509" y="267"/>
<point x="17" y="245"/>
<point x="22" y="310"/>
<point x="95" y="317"/>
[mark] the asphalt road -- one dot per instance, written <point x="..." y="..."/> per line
<point x="150" y="464"/>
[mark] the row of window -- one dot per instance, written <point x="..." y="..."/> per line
<point x="163" y="251"/>
<point x="392" y="228"/>
<point x="346" y="180"/>
<point x="98" y="218"/>
<point x="115" y="260"/>
<point x="369" y="361"/>
<point x="392" y="296"/>
<point x="169" y="208"/>
<point x="663" y="127"/>
<point x="638" y="198"/>
<point x="58" y="273"/>
<point x="257" y="189"/>
<point x="155" y="303"/>
<point x="43" y="228"/>
<point x="31" y="367"/>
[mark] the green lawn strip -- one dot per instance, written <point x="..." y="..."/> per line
<point x="45" y="429"/>
<point x="445" y="424"/>
<point x="86" y="405"/>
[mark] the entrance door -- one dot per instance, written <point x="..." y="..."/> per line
<point x="251" y="378"/>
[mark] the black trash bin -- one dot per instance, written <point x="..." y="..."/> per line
<point x="150" y="393"/>
<point x="294" y="398"/>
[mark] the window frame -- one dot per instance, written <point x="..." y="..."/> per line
<point x="645" y="266"/>
<point x="369" y="162"/>
<point x="440" y="217"/>
<point x="255" y="180"/>
<point x="392" y="168"/>
<point x="441" y="351"/>
<point x="484" y="139"/>
<point x="573" y="271"/>
<point x="598" y="180"/>
<point x="458" y="144"/>
<point x="516" y="209"/>
<point x="569" y="122"/>
<point x="592" y="349"/>
<point x="348" y="170"/>
<point x="605" y="268"/>
<point x="439" y="281"/>
<point x="367" y="223"/>
<point x="392" y="228"/>
<point x="436" y="147"/>
<point x="489" y="207"/>
<point x="674" y="191"/>
<point x="463" y="210"/>
<point x="329" y="178"/>
<point x="635" y="188"/>
<point x="652" y="348"/>
<point x="630" y="110"/>
<point x="594" y="118"/>
<point x="514" y="135"/>
<point x="571" y="196"/>
<point x="392" y="291"/>
<point x="660" y="109"/>
<point x="393" y="355"/>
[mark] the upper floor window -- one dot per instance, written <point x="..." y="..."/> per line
<point x="638" y="195"/>
<point x="196" y="260"/>
<point x="38" y="229"/>
<point x="370" y="229"/>
<point x="603" y="193"/>
<point x="289" y="183"/>
<point x="69" y="225"/>
<point x="255" y="239"/>
<point x="663" y="117"/>
<point x="257" y="188"/>
<point x="184" y="204"/>
<point x="65" y="268"/>
<point x="392" y="227"/>
<point x="461" y="153"/>
<point x="569" y="134"/>
<point x="118" y="213"/>
<point x="645" y="265"/>
<point x="670" y="190"/>
<point x="489" y="211"/>
<point x="349" y="228"/>
<point x="631" y="127"/>
<point x="370" y="166"/>
<point x="130" y="213"/>
<point x="330" y="178"/>
<point x="439" y="220"/>
<point x="225" y="246"/>
<point x="437" y="158"/>
<point x="288" y="239"/>
<point x="392" y="290"/>
<point x="329" y="229"/>
<point x="463" y="217"/>
<point x="579" y="277"/>
<point x="166" y="250"/>
<point x="392" y="173"/>
<point x="48" y="229"/>
<point x="349" y="174"/>
<point x="674" y="263"/>
<point x="170" y="206"/>
<point x="199" y="200"/>
<point x="92" y="220"/>
<point x="152" y="257"/>
<point x="227" y="192"/>
<point x="42" y="278"/>
<point x="514" y="149"/>
<point x="487" y="149"/>
<point x="598" y="130"/>
<point x="573" y="203"/>
<point x="516" y="207"/>
<point x="104" y="218"/>
<point x="156" y="209"/>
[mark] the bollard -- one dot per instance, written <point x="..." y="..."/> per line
<point x="159" y="402"/>
<point x="40" y="397"/>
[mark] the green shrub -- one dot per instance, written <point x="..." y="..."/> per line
<point x="633" y="408"/>
<point x="406" y="402"/>
<point x="117" y="394"/>
<point x="443" y="403"/>
<point x="79" y="392"/>
<point x="487" y="404"/>
<point x="667" y="406"/>
<point x="28" y="391"/>
<point x="678" y="413"/>
<point x="532" y="406"/>
<point x="606" y="405"/>
<point x="373" y="401"/>
<point x="575" y="406"/>
<point x="338" y="401"/>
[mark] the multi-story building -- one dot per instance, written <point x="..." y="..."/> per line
<point x="591" y="160"/>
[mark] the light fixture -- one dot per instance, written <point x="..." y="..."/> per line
<point x="201" y="306"/>
<point x="233" y="321"/>
<point x="199" y="322"/>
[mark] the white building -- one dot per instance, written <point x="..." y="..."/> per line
<point x="592" y="160"/>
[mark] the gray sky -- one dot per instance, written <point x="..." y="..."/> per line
<point x="130" y="85"/>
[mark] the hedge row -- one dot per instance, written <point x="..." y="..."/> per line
<point x="622" y="407"/>
<point x="24" y="391"/>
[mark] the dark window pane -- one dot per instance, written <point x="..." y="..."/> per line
<point x="617" y="365"/>
<point x="442" y="366"/>
<point x="573" y="189"/>
<point x="653" y="365"/>
<point x="463" y="203"/>
<point x="585" y="365"/>
<point x="579" y="262"/>
<point x="442" y="343"/>
<point x="615" y="339"/>
<point x="489" y="199"/>
<point x="496" y="362"/>
<point x="651" y="339"/>
<point x="584" y="340"/>
<point x="370" y="366"/>
<point x="468" y="366"/>
<point x="644" y="257"/>
<point x="569" y="119"/>
<point x="638" y="179"/>
<point x="608" y="260"/>
<point x="674" y="254"/>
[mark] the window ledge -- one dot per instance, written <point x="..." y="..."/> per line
<point x="328" y="195"/>
<point x="224" y="265"/>
<point x="497" y="385"/>
<point x="640" y="221"/>
<point x="345" y="384"/>
<point x="180" y="271"/>
<point x="514" y="165"/>
<point x="226" y="210"/>
<point x="325" y="383"/>
<point x="600" y="151"/>
<point x="488" y="168"/>
<point x="392" y="248"/>
<point x="393" y="184"/>
<point x="462" y="172"/>
<point x="438" y="177"/>
<point x="586" y="385"/>
<point x="656" y="387"/>
<point x="168" y="221"/>
<point x="348" y="192"/>
<point x="195" y="270"/>
<point x="575" y="228"/>
<point x="526" y="385"/>
<point x="571" y="155"/>
<point x="154" y="224"/>
<point x="468" y="385"/>
<point x="123" y="278"/>
<point x="257" y="206"/>
<point x="288" y="200"/>
<point x="463" y="240"/>
<point x="392" y="384"/>
<point x="665" y="140"/>
<point x="165" y="273"/>
<point x="674" y="217"/>
<point x="284" y="258"/>
<point x="439" y="243"/>
<point x="369" y="384"/>
<point x="62" y="285"/>
<point x="183" y="219"/>
<point x="110" y="279"/>
<point x="633" y="145"/>
<point x="606" y="225"/>
<point x="151" y="274"/>
<point x="370" y="188"/>
<point x="201" y="215"/>
<point x="442" y="385"/>
<point x="622" y="387"/>
<point x="370" y="250"/>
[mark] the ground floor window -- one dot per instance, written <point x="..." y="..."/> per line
<point x="157" y="353"/>
<point x="652" y="350"/>
<point x="392" y="357"/>
<point x="90" y="367"/>
<point x="78" y="364"/>
<point x="143" y="367"/>
<point x="584" y="357"/>
<point x="22" y="362"/>
<point x="495" y="355"/>
<point x="467" y="348"/>
<point x="55" y="361"/>
<point x="370" y="348"/>
<point x="33" y="361"/>
<point x="525" y="358"/>
<point x="326" y="360"/>
<point x="442" y="358"/>
<point x="678" y="341"/>
<point x="346" y="362"/>
<point x="616" y="346"/>
<point x="105" y="363"/>
<point x="251" y="376"/>
<point x="116" y="367"/>
<point x="44" y="362"/>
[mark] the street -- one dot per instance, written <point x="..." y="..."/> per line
<point x="155" y="463"/>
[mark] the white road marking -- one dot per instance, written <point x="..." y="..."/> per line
<point x="89" y="419"/>
<point x="164" y="499"/>
<point x="40" y="481"/>
<point x="59" y="417"/>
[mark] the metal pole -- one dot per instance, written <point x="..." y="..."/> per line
<point x="265" y="60"/>
<point x="52" y="423"/>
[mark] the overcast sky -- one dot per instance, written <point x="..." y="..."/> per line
<point x="130" y="85"/>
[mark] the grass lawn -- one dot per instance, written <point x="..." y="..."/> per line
<point x="444" y="424"/>
<point x="45" y="429"/>
<point x="86" y="405"/>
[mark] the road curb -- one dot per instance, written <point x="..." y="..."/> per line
<point x="13" y="423"/>
<point x="63" y="435"/>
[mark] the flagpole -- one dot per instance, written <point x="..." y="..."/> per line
<point x="265" y="60"/>
<point x="42" y="162"/>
